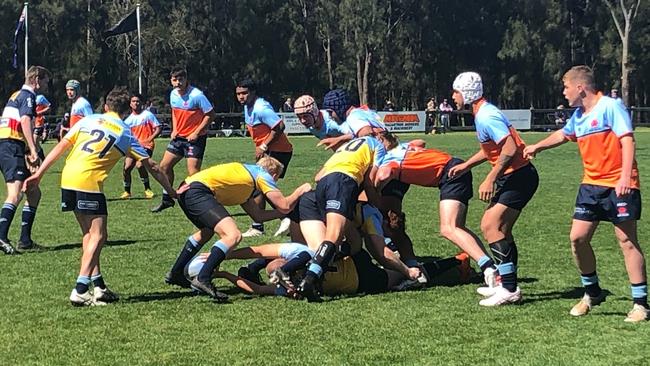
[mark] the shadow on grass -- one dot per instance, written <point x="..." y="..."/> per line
<point x="126" y="200"/>
<point x="110" y="243"/>
<point x="573" y="293"/>
<point x="158" y="296"/>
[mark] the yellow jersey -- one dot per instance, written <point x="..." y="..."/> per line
<point x="234" y="183"/>
<point x="342" y="278"/>
<point x="355" y="158"/>
<point x="99" y="141"/>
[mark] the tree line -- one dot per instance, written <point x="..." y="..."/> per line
<point x="403" y="50"/>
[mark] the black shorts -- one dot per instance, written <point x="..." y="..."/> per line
<point x="86" y="203"/>
<point x="306" y="209"/>
<point x="201" y="207"/>
<point x="517" y="188"/>
<point x="599" y="203"/>
<point x="395" y="188"/>
<point x="149" y="151"/>
<point x="458" y="188"/>
<point x="181" y="147"/>
<point x="38" y="131"/>
<point x="12" y="160"/>
<point x="337" y="192"/>
<point x="284" y="158"/>
<point x="372" y="279"/>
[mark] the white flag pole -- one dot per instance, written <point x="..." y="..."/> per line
<point x="26" y="38"/>
<point x="139" y="51"/>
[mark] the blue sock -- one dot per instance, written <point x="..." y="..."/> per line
<point x="98" y="281"/>
<point x="188" y="252"/>
<point x="6" y="217"/>
<point x="29" y="214"/>
<point x="508" y="273"/>
<point x="257" y="265"/>
<point x="485" y="262"/>
<point x="217" y="255"/>
<point x="82" y="284"/>
<point x="640" y="293"/>
<point x="590" y="282"/>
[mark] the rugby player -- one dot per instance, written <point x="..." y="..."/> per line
<point x="610" y="188"/>
<point x="508" y="187"/>
<point x="40" y="132"/>
<point x="96" y="144"/>
<point x="266" y="129"/>
<point x="318" y="122"/>
<point x="202" y="198"/>
<point x="15" y="131"/>
<point x="145" y="127"/>
<point x="191" y="116"/>
<point x="80" y="106"/>
<point x="430" y="168"/>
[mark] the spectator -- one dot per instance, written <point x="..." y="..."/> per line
<point x="388" y="106"/>
<point x="63" y="126"/>
<point x="151" y="107"/>
<point x="431" y="115"/>
<point x="288" y="105"/>
<point x="560" y="116"/>
<point x="445" y="113"/>
<point x="614" y="94"/>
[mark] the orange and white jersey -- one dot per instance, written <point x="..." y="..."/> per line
<point x="492" y="127"/>
<point x="41" y="104"/>
<point x="422" y="167"/>
<point x="260" y="121"/>
<point x="143" y="126"/>
<point x="188" y="110"/>
<point x="80" y="108"/>
<point x="598" y="134"/>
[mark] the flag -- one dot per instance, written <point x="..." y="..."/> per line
<point x="128" y="24"/>
<point x="20" y="26"/>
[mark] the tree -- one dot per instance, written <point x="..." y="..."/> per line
<point x="628" y="10"/>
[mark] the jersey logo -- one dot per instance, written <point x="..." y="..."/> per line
<point x="332" y="205"/>
<point x="87" y="205"/>
<point x="594" y="123"/>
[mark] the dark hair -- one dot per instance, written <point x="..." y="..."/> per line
<point x="178" y="71"/>
<point x="248" y="84"/>
<point x="139" y="96"/>
<point x="118" y="100"/>
<point x="392" y="139"/>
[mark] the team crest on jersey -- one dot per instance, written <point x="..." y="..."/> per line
<point x="332" y="205"/>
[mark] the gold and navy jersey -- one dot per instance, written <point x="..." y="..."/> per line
<point x="355" y="158"/>
<point x="368" y="219"/>
<point x="21" y="103"/>
<point x="234" y="183"/>
<point x="342" y="278"/>
<point x="99" y="141"/>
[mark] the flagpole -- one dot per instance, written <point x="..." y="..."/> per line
<point x="139" y="51"/>
<point x="26" y="38"/>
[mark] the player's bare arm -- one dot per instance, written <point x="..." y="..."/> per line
<point x="555" y="139"/>
<point x="174" y="132"/>
<point x="286" y="204"/>
<point x="50" y="159"/>
<point x="384" y="174"/>
<point x="508" y="150"/>
<point x="26" y="125"/>
<point x="475" y="160"/>
<point x="258" y="214"/>
<point x="207" y="119"/>
<point x="333" y="143"/>
<point x="624" y="186"/>
<point x="156" y="133"/>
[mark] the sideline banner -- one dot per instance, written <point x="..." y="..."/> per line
<point x="414" y="121"/>
<point x="519" y="118"/>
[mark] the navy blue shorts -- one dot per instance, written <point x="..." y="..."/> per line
<point x="516" y="189"/>
<point x="12" y="160"/>
<point x="86" y="203"/>
<point x="306" y="209"/>
<point x="599" y="203"/>
<point x="395" y="188"/>
<point x="337" y="192"/>
<point x="458" y="188"/>
<point x="181" y="147"/>
<point x="201" y="207"/>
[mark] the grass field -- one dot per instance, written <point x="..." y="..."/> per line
<point x="158" y="324"/>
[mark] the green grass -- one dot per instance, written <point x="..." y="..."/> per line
<point x="157" y="324"/>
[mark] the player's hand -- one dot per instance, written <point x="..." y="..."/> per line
<point x="328" y="143"/>
<point x="530" y="151"/>
<point x="306" y="187"/>
<point x="193" y="137"/>
<point x="172" y="194"/>
<point x="173" y="135"/>
<point x="486" y="190"/>
<point x="31" y="181"/>
<point x="623" y="187"/>
<point x="259" y="153"/>
<point x="182" y="189"/>
<point x="414" y="273"/>
<point x="457" y="170"/>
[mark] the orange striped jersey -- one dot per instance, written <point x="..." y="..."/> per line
<point x="234" y="183"/>
<point x="41" y="104"/>
<point x="492" y="127"/>
<point x="80" y="108"/>
<point x="21" y="103"/>
<point x="143" y="126"/>
<point x="99" y="141"/>
<point x="422" y="167"/>
<point x="188" y="110"/>
<point x="260" y="121"/>
<point x="598" y="135"/>
<point x="355" y="158"/>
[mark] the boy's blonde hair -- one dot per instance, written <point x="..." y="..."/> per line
<point x="271" y="165"/>
<point x="583" y="74"/>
